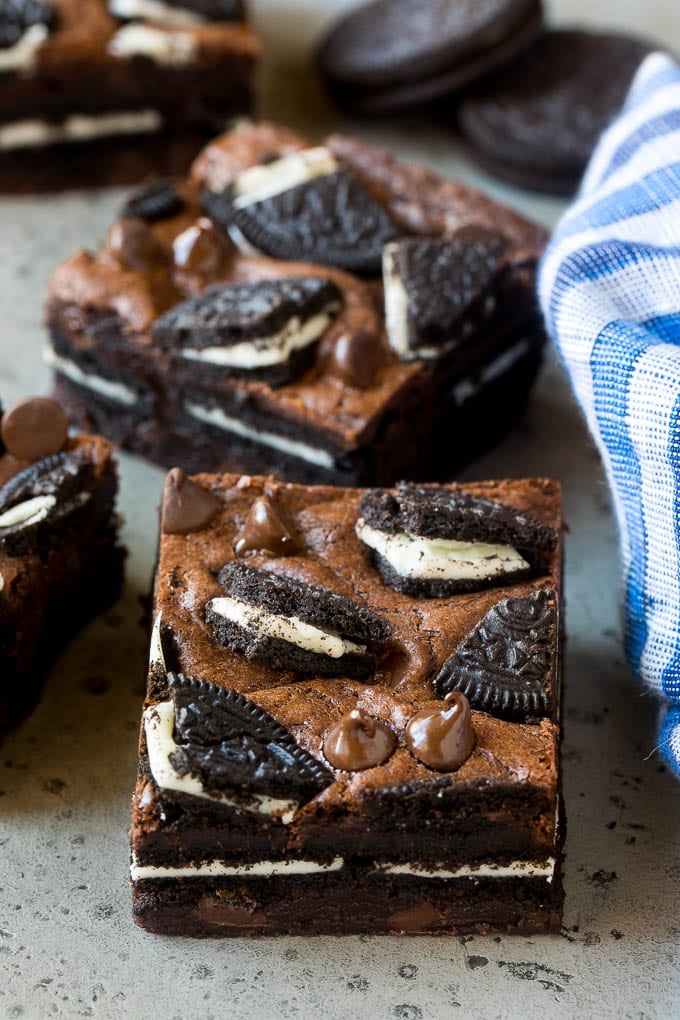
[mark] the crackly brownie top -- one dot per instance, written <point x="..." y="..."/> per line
<point x="500" y="641"/>
<point x="261" y="205"/>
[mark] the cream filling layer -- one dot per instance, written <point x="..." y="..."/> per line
<point x="31" y="511"/>
<point x="79" y="127"/>
<point x="214" y="416"/>
<point x="288" y="628"/>
<point x="467" y="388"/>
<point x="155" y="12"/>
<point x="167" y="48"/>
<point x="430" y="559"/>
<point x="258" y="183"/>
<point x="218" y="869"/>
<point x="516" y="869"/>
<point x="116" y="391"/>
<point x="159" y="725"/>
<point x="21" y="56"/>
<point x="270" y="350"/>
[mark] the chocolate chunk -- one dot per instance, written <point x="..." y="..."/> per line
<point x="358" y="741"/>
<point x="435" y="287"/>
<point x="39" y="499"/>
<point x="17" y="16"/>
<point x="356" y="358"/>
<point x="442" y="737"/>
<point x="33" y="428"/>
<point x="199" y="248"/>
<point x="505" y="665"/>
<point x="294" y="626"/>
<point x="267" y="529"/>
<point x="187" y="507"/>
<point x="230" y="743"/>
<point x="133" y="243"/>
<point x="157" y="201"/>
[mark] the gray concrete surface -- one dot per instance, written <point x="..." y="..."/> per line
<point x="68" y="947"/>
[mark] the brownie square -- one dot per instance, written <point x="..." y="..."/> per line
<point x="276" y="795"/>
<point x="322" y="313"/>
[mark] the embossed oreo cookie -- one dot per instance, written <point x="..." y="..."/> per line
<point x="295" y="626"/>
<point x="434" y="541"/>
<point x="267" y="329"/>
<point x="305" y="207"/>
<point x="159" y="200"/>
<point x="18" y="17"/>
<point x="437" y="288"/>
<point x="506" y="664"/>
<point x="39" y="499"/>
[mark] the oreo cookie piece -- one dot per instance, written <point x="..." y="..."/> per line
<point x="295" y="626"/>
<point x="396" y="53"/>
<point x="18" y="17"/>
<point x="506" y="665"/>
<point x="212" y="10"/>
<point x="37" y="500"/>
<point x="536" y="122"/>
<point x="267" y="330"/>
<point x="436" y="288"/>
<point x="157" y="201"/>
<point x="433" y="541"/>
<point x="305" y="207"/>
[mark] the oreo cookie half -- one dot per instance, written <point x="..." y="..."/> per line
<point x="432" y="541"/>
<point x="26" y="21"/>
<point x="305" y="207"/>
<point x="506" y="664"/>
<point x="436" y="289"/>
<point x="157" y="201"/>
<point x="40" y="498"/>
<point x="291" y="625"/>
<point x="266" y="329"/>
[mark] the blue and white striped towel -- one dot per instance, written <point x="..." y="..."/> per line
<point x="610" y="292"/>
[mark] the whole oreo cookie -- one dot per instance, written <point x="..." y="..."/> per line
<point x="18" y="16"/>
<point x="505" y="665"/>
<point x="396" y="53"/>
<point x="294" y="626"/>
<point x="536" y="121"/>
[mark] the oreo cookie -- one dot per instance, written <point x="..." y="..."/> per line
<point x="395" y="53"/>
<point x="305" y="207"/>
<point x="505" y="665"/>
<point x="437" y="288"/>
<point x="157" y="201"/>
<point x="434" y="541"/>
<point x="536" y="121"/>
<point x="230" y="744"/>
<point x="17" y="17"/>
<point x="39" y="499"/>
<point x="295" y="626"/>
<point x="212" y="10"/>
<point x="266" y="330"/>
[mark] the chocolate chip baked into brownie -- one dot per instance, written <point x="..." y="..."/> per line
<point x="324" y="313"/>
<point x="102" y="91"/>
<point x="352" y="716"/>
<point x="59" y="561"/>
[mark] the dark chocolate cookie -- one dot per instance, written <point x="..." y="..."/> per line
<point x="505" y="665"/>
<point x="17" y="16"/>
<point x="294" y="626"/>
<point x="394" y="53"/>
<point x="157" y="201"/>
<point x="230" y="743"/>
<point x="536" y="121"/>
<point x="213" y="10"/>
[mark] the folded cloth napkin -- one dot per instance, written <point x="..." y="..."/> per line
<point x="610" y="292"/>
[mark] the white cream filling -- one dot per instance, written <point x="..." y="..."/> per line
<point x="155" y="12"/>
<point x="516" y="869"/>
<point x="287" y="628"/>
<point x="437" y="559"/>
<point x="159" y="724"/>
<point x="116" y="391"/>
<point x="30" y="512"/>
<point x="258" y="183"/>
<point x="467" y="388"/>
<point x="21" y="56"/>
<point x="79" y="127"/>
<point x="156" y="657"/>
<point x="396" y="306"/>
<point x="169" y="49"/>
<point x="214" y="416"/>
<point x="265" y="351"/>
<point x="218" y="869"/>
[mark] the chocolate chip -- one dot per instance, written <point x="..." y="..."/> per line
<point x="157" y="201"/>
<point x="442" y="737"/>
<point x="33" y="428"/>
<point x="267" y="529"/>
<point x="16" y="16"/>
<point x="506" y="664"/>
<point x="358" y="741"/>
<point x="187" y="507"/>
<point x="356" y="357"/>
<point x="133" y="243"/>
<point x="199" y="248"/>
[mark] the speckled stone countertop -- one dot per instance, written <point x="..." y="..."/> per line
<point x="68" y="947"/>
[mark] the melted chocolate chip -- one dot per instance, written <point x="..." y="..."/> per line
<point x="266" y="529"/>
<point x="133" y="243"/>
<point x="356" y="358"/>
<point x="187" y="507"/>
<point x="442" y="737"/>
<point x="199" y="248"/>
<point x="358" y="741"/>
<point x="34" y="428"/>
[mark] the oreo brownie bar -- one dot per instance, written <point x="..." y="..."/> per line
<point x="283" y="790"/>
<point x="322" y="313"/>
<point x="102" y="91"/>
<point x="59" y="562"/>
